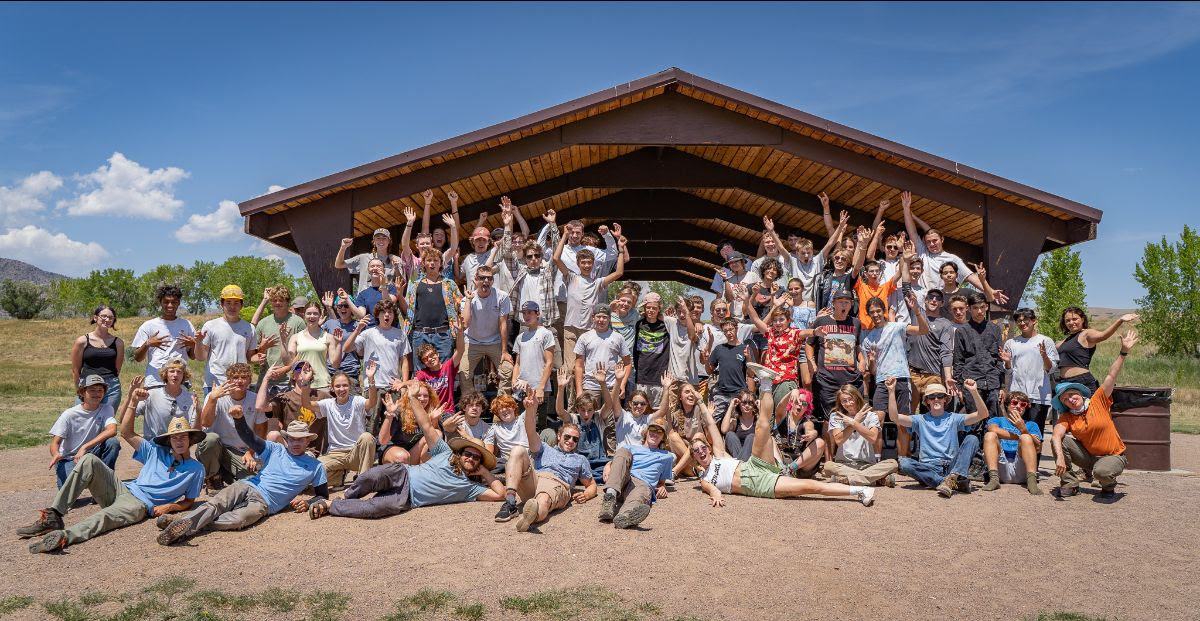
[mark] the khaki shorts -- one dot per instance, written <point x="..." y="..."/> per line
<point x="758" y="478"/>
<point x="551" y="486"/>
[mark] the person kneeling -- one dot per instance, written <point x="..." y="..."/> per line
<point x="457" y="471"/>
<point x="1011" y="446"/>
<point x="170" y="481"/>
<point x="545" y="481"/>
<point x="944" y="459"/>
<point x="285" y="473"/>
<point x="757" y="476"/>
<point x="637" y="477"/>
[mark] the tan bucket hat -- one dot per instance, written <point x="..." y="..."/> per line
<point x="177" y="426"/>
<point x="461" y="442"/>
<point x="297" y="430"/>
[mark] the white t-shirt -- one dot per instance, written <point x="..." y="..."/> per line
<point x="720" y="473"/>
<point x="470" y="265"/>
<point x="630" y="428"/>
<point x="484" y="328"/>
<point x="479" y="430"/>
<point x="507" y="435"/>
<point x="77" y="426"/>
<point x="223" y="423"/>
<point x="530" y="349"/>
<point x="608" y="348"/>
<point x="582" y="295"/>
<point x="228" y="344"/>
<point x="856" y="448"/>
<point x="156" y="358"/>
<point x="345" y="422"/>
<point x="158" y="409"/>
<point x="735" y="305"/>
<point x="807" y="273"/>
<point x="682" y="355"/>
<point x="1029" y="374"/>
<point x="385" y="347"/>
<point x="931" y="277"/>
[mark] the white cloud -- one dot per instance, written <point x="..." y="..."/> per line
<point x="226" y="221"/>
<point x="274" y="188"/>
<point x="51" y="251"/>
<point x="18" y="203"/>
<point x="126" y="188"/>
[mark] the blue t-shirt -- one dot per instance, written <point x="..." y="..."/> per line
<point x="803" y="317"/>
<point x="434" y="482"/>
<point x="371" y="296"/>
<point x="568" y="467"/>
<point x="350" y="360"/>
<point x="1010" y="446"/>
<point x="939" y="435"/>
<point x="891" y="356"/>
<point x="651" y="466"/>
<point x="284" y="475"/>
<point x="157" y="484"/>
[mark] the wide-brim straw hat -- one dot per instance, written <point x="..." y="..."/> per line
<point x="298" y="430"/>
<point x="462" y="442"/>
<point x="177" y="426"/>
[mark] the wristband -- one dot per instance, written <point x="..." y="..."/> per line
<point x="1124" y="353"/>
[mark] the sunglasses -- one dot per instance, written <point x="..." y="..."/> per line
<point x="700" y="449"/>
<point x="1017" y="403"/>
<point x="939" y="397"/>
<point x="533" y="256"/>
<point x="892" y="247"/>
<point x="571" y="438"/>
<point x="483" y="277"/>
<point x="471" y="455"/>
<point x="638" y="403"/>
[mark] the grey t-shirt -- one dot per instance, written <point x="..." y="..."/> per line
<point x="228" y="343"/>
<point x="930" y="353"/>
<point x="159" y="407"/>
<point x="385" y="347"/>
<point x="807" y="273"/>
<point x="582" y="295"/>
<point x="223" y="423"/>
<point x="484" y="328"/>
<point x="155" y="357"/>
<point x="683" y="360"/>
<point x="357" y="265"/>
<point x="530" y="348"/>
<point x="345" y="422"/>
<point x="607" y="348"/>
<point x="76" y="426"/>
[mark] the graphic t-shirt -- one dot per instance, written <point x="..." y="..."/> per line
<point x="835" y="345"/>
<point x="651" y="353"/>
<point x="889" y="346"/>
<point x="442" y="382"/>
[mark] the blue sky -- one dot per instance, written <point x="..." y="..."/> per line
<point x="127" y="132"/>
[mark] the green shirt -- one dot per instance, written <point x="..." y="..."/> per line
<point x="268" y="325"/>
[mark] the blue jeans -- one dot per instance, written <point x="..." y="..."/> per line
<point x="107" y="451"/>
<point x="112" y="395"/>
<point x="932" y="473"/>
<point x="443" y="341"/>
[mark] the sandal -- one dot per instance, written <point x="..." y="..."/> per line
<point x="318" y="508"/>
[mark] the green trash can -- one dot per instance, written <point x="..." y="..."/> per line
<point x="1143" y="418"/>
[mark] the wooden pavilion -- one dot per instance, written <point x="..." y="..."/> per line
<point x="681" y="162"/>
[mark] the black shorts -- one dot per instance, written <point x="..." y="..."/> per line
<point x="879" y="397"/>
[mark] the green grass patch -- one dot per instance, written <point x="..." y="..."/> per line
<point x="587" y="602"/>
<point x="470" y="612"/>
<point x="279" y="600"/>
<point x="67" y="610"/>
<point x="14" y="603"/>
<point x="140" y="610"/>
<point x="326" y="605"/>
<point x="215" y="598"/>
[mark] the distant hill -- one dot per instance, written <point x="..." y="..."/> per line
<point x="12" y="269"/>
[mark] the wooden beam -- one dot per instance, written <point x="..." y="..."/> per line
<point x="671" y="119"/>
<point x="687" y="278"/>
<point x="641" y="205"/>
<point x="669" y="263"/>
<point x="318" y="230"/>
<point x="1013" y="239"/>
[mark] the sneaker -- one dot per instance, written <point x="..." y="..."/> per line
<point x="669" y="484"/>
<point x="867" y="496"/>
<point x="949" y="484"/>
<point x="1108" y="493"/>
<point x="47" y="521"/>
<point x="764" y="376"/>
<point x="507" y="511"/>
<point x="175" y="531"/>
<point x="608" y="507"/>
<point x="631" y="517"/>
<point x="164" y="520"/>
<point x="529" y="516"/>
<point x="1065" y="491"/>
<point x="55" y="541"/>
<point x="890" y="480"/>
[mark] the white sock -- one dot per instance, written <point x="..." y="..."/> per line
<point x="857" y="490"/>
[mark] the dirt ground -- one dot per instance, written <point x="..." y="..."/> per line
<point x="997" y="555"/>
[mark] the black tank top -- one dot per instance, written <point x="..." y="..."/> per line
<point x="1073" y="354"/>
<point x="100" y="361"/>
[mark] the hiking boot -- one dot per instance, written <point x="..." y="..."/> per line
<point x="889" y="480"/>
<point x="529" y="516"/>
<point x="608" y="507"/>
<point x="949" y="484"/>
<point x="164" y="520"/>
<point x="1108" y="493"/>
<point x="1065" y="491"/>
<point x="631" y="517"/>
<point x="214" y="484"/>
<point x="964" y="485"/>
<point x="763" y="375"/>
<point x="47" y="520"/>
<point x="867" y="496"/>
<point x="54" y="541"/>
<point x="507" y="511"/>
<point x="175" y="531"/>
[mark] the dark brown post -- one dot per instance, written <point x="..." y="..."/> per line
<point x="318" y="229"/>
<point x="1013" y="239"/>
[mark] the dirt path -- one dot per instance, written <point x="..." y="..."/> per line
<point x="1002" y="555"/>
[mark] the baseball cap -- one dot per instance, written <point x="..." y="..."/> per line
<point x="843" y="294"/>
<point x="735" y="256"/>
<point x="91" y="380"/>
<point x="231" y="292"/>
<point x="299" y="301"/>
<point x="603" y="309"/>
<point x="386" y="233"/>
<point x="480" y="232"/>
<point x="497" y="233"/>
<point x="531" y="306"/>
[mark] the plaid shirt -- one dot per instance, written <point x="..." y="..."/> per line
<point x="547" y="296"/>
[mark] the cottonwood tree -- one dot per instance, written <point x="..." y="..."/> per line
<point x="1170" y="310"/>
<point x="1058" y="284"/>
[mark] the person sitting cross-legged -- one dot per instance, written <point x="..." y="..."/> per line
<point x="637" y="477"/>
<point x="855" y="430"/>
<point x="287" y="470"/>
<point x="170" y="481"/>
<point x="1011" y="446"/>
<point x="943" y="460"/>
<point x="225" y="455"/>
<point x="351" y="446"/>
<point x="542" y="475"/>
<point x="458" y="471"/>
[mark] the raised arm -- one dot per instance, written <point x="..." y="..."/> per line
<point x="1128" y="340"/>
<point x="557" y="259"/>
<point x="748" y="306"/>
<point x="339" y="261"/>
<point x="432" y="432"/>
<point x="910" y="224"/>
<point x="244" y="431"/>
<point x="918" y="313"/>
<point x="410" y="217"/>
<point x="826" y="216"/>
<point x="348" y="346"/>
<point x="564" y="378"/>
<point x="428" y="196"/>
<point x="862" y="239"/>
<point x="731" y="412"/>
<point x="903" y="420"/>
<point x="836" y="236"/>
<point x="531" y="415"/>
<point x="981" y="412"/>
<point x="262" y="306"/>
<point x="137" y="394"/>
<point x="1092" y="337"/>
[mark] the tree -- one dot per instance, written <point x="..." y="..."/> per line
<point x="118" y="288"/>
<point x="1170" y="310"/>
<point x="670" y="291"/>
<point x="1058" y="284"/>
<point x="67" y="298"/>
<point x="22" y="300"/>
<point x="196" y="296"/>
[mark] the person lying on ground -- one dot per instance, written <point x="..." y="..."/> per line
<point x="544" y="476"/>
<point x="459" y="471"/>
<point x="943" y="459"/>
<point x="1010" y="447"/>
<point x="170" y="481"/>
<point x="287" y="471"/>
<point x="637" y="478"/>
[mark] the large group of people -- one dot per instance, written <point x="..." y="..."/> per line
<point x="517" y="373"/>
